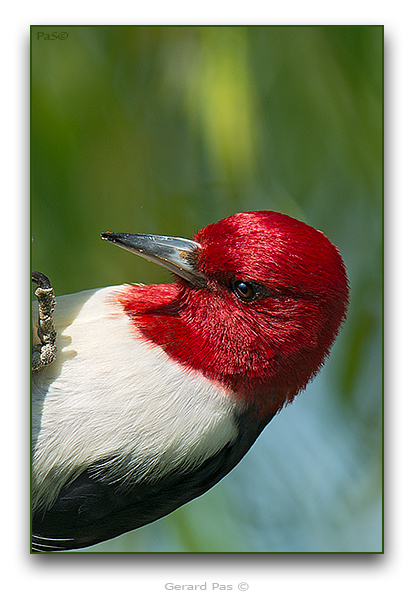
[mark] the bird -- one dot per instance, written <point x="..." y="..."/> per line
<point x="153" y="393"/>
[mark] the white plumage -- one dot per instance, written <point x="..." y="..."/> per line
<point x="113" y="396"/>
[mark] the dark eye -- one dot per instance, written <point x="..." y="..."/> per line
<point x="245" y="290"/>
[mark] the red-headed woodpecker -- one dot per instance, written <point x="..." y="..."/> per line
<point x="152" y="394"/>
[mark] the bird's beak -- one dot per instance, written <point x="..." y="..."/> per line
<point x="176" y="254"/>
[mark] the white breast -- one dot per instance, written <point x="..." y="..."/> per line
<point x="111" y="394"/>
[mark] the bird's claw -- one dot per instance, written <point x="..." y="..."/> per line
<point x="44" y="353"/>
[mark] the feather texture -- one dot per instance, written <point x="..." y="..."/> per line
<point x="115" y="400"/>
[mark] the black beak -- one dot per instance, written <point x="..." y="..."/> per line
<point x="176" y="254"/>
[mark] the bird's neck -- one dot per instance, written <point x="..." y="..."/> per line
<point x="202" y="338"/>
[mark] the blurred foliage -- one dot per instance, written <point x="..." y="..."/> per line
<point x="166" y="129"/>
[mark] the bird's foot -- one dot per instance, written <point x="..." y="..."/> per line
<point x="44" y="353"/>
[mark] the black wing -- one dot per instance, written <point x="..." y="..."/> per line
<point x="89" y="510"/>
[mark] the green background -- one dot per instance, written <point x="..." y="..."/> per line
<point x="166" y="129"/>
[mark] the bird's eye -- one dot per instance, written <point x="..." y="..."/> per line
<point x="245" y="290"/>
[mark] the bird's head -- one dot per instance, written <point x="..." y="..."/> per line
<point x="256" y="306"/>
